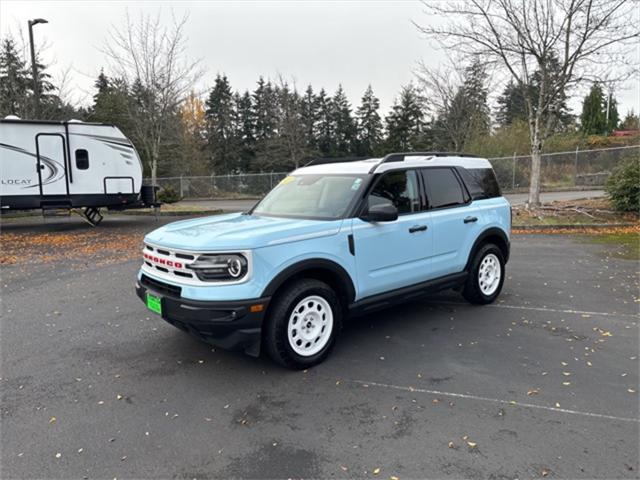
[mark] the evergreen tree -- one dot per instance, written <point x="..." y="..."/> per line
<point x="466" y="114"/>
<point x="309" y="117"/>
<point x="405" y="123"/>
<point x="557" y="114"/>
<point x="369" y="123"/>
<point x="50" y="103"/>
<point x="111" y="103"/>
<point x="245" y="129"/>
<point x="15" y="81"/>
<point x="613" y="116"/>
<point x="593" y="119"/>
<point x="344" y="129"/>
<point x="630" y="122"/>
<point x="511" y="105"/>
<point x="264" y="110"/>
<point x="220" y="118"/>
<point x="289" y="147"/>
<point x="325" y="128"/>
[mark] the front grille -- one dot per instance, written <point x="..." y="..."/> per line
<point x="171" y="263"/>
<point x="160" y="287"/>
<point x="180" y="266"/>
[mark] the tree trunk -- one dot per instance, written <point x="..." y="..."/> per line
<point x="154" y="170"/>
<point x="536" y="160"/>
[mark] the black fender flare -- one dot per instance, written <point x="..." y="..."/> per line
<point x="488" y="233"/>
<point x="314" y="264"/>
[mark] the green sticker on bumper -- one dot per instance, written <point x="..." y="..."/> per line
<point x="154" y="303"/>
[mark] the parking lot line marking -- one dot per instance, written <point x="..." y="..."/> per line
<point x="495" y="400"/>
<point x="548" y="309"/>
<point x="557" y="310"/>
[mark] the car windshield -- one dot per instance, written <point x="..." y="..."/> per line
<point x="324" y="197"/>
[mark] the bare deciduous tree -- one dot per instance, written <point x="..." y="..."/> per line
<point x="562" y="42"/>
<point x="151" y="59"/>
<point x="456" y="116"/>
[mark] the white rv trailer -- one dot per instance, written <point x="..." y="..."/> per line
<point x="47" y="164"/>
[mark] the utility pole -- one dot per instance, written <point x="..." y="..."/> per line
<point x="34" y="67"/>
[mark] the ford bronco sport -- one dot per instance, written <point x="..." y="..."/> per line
<point x="331" y="240"/>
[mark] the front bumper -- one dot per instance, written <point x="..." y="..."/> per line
<point x="230" y="325"/>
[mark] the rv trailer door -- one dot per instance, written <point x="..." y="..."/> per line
<point x="52" y="165"/>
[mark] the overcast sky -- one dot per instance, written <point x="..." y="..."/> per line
<point x="355" y="43"/>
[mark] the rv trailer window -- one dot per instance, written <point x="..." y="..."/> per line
<point x="82" y="159"/>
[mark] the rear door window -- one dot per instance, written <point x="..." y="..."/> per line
<point x="443" y="188"/>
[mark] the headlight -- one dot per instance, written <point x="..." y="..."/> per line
<point x="213" y="267"/>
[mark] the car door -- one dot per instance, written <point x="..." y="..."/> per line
<point x="394" y="254"/>
<point x="453" y="217"/>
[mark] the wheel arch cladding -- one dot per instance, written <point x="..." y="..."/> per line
<point x="326" y="271"/>
<point x="493" y="235"/>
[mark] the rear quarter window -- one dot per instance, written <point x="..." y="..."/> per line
<point x="481" y="182"/>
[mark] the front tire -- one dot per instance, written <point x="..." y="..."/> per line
<point x="486" y="276"/>
<point x="302" y="324"/>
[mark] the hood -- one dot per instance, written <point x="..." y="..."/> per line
<point x="237" y="231"/>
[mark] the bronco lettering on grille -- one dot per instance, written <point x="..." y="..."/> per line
<point x="163" y="261"/>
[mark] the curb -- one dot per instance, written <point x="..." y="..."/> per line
<point x="594" y="226"/>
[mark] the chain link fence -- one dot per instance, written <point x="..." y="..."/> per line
<point x="564" y="170"/>
<point x="561" y="170"/>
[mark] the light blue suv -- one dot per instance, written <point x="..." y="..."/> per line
<point x="330" y="241"/>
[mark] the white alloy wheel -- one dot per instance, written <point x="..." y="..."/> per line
<point x="489" y="274"/>
<point x="310" y="326"/>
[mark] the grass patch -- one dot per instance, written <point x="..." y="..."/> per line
<point x="623" y="245"/>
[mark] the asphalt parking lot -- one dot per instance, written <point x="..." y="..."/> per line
<point x="542" y="384"/>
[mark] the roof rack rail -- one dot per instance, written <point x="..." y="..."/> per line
<point x="399" y="157"/>
<point x="321" y="161"/>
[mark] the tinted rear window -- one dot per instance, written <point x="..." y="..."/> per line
<point x="481" y="182"/>
<point x="444" y="188"/>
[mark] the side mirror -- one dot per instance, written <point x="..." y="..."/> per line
<point x="386" y="212"/>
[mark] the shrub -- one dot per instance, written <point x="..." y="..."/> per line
<point x="168" y="195"/>
<point x="623" y="186"/>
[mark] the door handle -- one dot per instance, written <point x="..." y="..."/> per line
<point x="470" y="219"/>
<point x="417" y="228"/>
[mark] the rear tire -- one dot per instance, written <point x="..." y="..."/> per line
<point x="486" y="275"/>
<point x="302" y="324"/>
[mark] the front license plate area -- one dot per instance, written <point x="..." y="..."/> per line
<point x="154" y="303"/>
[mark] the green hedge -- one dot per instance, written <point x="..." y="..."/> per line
<point x="623" y="186"/>
<point x="168" y="195"/>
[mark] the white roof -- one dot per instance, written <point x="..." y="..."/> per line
<point x="365" y="166"/>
